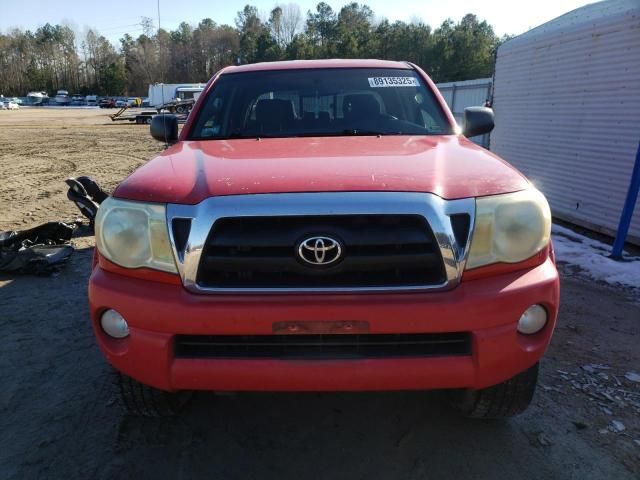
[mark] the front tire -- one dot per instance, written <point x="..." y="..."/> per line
<point x="141" y="400"/>
<point x="503" y="400"/>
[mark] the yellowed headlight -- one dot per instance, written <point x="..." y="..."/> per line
<point x="134" y="235"/>
<point x="509" y="228"/>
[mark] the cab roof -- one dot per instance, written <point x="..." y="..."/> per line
<point x="328" y="63"/>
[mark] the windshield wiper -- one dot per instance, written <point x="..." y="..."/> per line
<point x="237" y="135"/>
<point x="345" y="132"/>
<point x="355" y="131"/>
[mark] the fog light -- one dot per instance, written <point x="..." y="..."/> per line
<point x="532" y="320"/>
<point x="114" y="325"/>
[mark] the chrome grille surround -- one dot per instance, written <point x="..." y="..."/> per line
<point x="434" y="209"/>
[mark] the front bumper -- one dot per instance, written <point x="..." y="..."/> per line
<point x="488" y="308"/>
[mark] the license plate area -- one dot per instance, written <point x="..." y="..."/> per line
<point x="321" y="327"/>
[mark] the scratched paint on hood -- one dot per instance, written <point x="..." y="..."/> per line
<point x="449" y="166"/>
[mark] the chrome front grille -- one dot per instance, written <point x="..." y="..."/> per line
<point x="377" y="251"/>
<point x="392" y="242"/>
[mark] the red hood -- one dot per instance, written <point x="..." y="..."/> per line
<point x="449" y="166"/>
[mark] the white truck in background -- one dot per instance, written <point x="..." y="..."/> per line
<point x="175" y="97"/>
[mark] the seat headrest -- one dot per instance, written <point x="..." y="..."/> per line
<point x="324" y="117"/>
<point x="274" y="114"/>
<point x="360" y="105"/>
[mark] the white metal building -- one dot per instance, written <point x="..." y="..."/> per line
<point x="467" y="93"/>
<point x="567" y="105"/>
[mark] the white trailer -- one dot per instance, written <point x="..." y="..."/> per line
<point x="567" y="105"/>
<point x="166" y="95"/>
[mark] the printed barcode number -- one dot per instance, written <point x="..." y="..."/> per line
<point x="392" y="82"/>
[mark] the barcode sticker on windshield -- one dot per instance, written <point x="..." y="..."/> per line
<point x="393" y="82"/>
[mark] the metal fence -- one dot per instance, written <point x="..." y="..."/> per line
<point x="468" y="93"/>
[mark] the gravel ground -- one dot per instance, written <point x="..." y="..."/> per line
<point x="59" y="419"/>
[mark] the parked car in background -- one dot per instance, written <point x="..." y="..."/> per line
<point x="77" y="100"/>
<point x="121" y="103"/>
<point x="92" y="100"/>
<point x="10" y="105"/>
<point x="107" y="103"/>
<point x="38" y="98"/>
<point x="62" y="98"/>
<point x="329" y="228"/>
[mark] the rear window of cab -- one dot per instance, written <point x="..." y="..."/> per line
<point x="319" y="102"/>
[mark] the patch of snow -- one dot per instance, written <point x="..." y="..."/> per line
<point x="592" y="257"/>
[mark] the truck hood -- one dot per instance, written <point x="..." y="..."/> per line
<point x="449" y="166"/>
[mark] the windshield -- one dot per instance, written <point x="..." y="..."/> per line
<point x="319" y="102"/>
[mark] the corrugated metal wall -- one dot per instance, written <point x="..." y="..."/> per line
<point x="567" y="105"/>
<point x="467" y="93"/>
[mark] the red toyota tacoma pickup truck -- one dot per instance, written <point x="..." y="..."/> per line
<point x="324" y="225"/>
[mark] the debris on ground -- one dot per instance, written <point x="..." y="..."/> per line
<point x="580" y="425"/>
<point x="617" y="426"/>
<point x="87" y="195"/>
<point x="610" y="392"/>
<point x="544" y="440"/>
<point x="40" y="250"/>
<point x="592" y="367"/>
<point x="632" y="377"/>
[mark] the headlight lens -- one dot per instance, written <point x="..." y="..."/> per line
<point x="509" y="228"/>
<point x="134" y="234"/>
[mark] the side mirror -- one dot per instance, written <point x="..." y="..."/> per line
<point x="477" y="121"/>
<point x="164" y="128"/>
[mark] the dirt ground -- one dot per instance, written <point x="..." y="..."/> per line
<point x="58" y="416"/>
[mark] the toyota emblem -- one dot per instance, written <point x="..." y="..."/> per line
<point x="320" y="250"/>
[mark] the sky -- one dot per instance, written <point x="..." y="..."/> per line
<point x="123" y="16"/>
